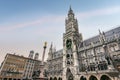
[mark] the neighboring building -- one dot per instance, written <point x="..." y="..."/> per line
<point x="15" y="67"/>
<point x="97" y="58"/>
<point x="29" y="66"/>
<point x="37" y="69"/>
<point x="32" y="66"/>
<point x="12" y="67"/>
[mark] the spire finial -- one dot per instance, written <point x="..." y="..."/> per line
<point x="51" y="45"/>
<point x="70" y="7"/>
<point x="99" y="31"/>
<point x="70" y="10"/>
<point x="54" y="48"/>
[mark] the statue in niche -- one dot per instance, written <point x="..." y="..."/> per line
<point x="108" y="60"/>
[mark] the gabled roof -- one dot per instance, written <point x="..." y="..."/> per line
<point x="108" y="35"/>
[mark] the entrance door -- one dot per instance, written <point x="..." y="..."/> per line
<point x="69" y="75"/>
<point x="92" y="78"/>
<point x="104" y="77"/>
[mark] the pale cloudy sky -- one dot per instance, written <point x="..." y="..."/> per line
<point x="26" y="24"/>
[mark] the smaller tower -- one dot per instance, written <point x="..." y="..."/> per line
<point x="36" y="56"/>
<point x="102" y="37"/>
<point x="31" y="54"/>
<point x="54" y="49"/>
<point x="50" y="52"/>
<point x="51" y="48"/>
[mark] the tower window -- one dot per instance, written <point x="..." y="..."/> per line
<point x="68" y="62"/>
<point x="68" y="56"/>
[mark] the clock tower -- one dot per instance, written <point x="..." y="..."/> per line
<point x="71" y="39"/>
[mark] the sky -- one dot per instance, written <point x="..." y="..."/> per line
<point x="26" y="24"/>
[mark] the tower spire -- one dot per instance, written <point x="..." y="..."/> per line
<point x="51" y="45"/>
<point x="50" y="51"/>
<point x="99" y="31"/>
<point x="70" y="7"/>
<point x="70" y="11"/>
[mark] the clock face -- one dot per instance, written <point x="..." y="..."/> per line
<point x="68" y="43"/>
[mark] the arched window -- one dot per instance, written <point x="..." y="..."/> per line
<point x="59" y="78"/>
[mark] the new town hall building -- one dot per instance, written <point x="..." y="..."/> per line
<point x="97" y="58"/>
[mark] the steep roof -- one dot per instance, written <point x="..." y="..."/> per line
<point x="109" y="35"/>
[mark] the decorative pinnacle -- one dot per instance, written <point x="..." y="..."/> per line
<point x="99" y="31"/>
<point x="45" y="44"/>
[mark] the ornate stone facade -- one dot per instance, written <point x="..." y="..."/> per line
<point x="55" y="64"/>
<point x="97" y="58"/>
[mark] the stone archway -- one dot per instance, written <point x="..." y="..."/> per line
<point x="83" y="78"/>
<point x="105" y="77"/>
<point x="59" y="78"/>
<point x="92" y="78"/>
<point x="69" y="75"/>
<point x="55" y="78"/>
<point x="50" y="78"/>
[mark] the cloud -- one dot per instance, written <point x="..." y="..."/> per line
<point x="43" y="20"/>
<point x="99" y="12"/>
<point x="54" y="19"/>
